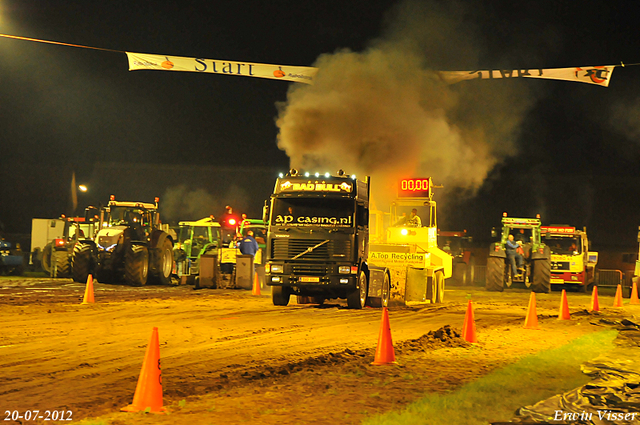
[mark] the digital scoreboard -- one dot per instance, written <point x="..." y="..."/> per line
<point x="414" y="188"/>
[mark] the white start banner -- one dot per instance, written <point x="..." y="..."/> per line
<point x="599" y="75"/>
<point x="299" y="74"/>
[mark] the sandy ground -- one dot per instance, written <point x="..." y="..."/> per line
<point x="230" y="357"/>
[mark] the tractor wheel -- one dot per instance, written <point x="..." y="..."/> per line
<point x="280" y="295"/>
<point x="495" y="274"/>
<point x="81" y="262"/>
<point x="459" y="274"/>
<point x="471" y="272"/>
<point x="358" y="297"/>
<point x="438" y="286"/>
<point x="47" y="253"/>
<point x="62" y="264"/>
<point x="165" y="263"/>
<point x="541" y="281"/>
<point x="136" y="265"/>
<point x="382" y="301"/>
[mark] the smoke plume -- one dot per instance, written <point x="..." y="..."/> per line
<point x="181" y="203"/>
<point x="383" y="111"/>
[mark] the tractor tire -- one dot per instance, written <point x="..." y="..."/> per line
<point x="47" y="253"/>
<point x="81" y="262"/>
<point x="280" y="295"/>
<point x="438" y="286"/>
<point x="357" y="299"/>
<point x="471" y="272"/>
<point x="459" y="274"/>
<point x="136" y="265"/>
<point x="164" y="267"/>
<point x="495" y="274"/>
<point x="382" y="301"/>
<point x="541" y="281"/>
<point x="62" y="264"/>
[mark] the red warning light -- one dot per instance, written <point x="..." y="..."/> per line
<point x="112" y="197"/>
<point x="232" y="221"/>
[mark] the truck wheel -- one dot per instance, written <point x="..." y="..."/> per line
<point x="280" y="295"/>
<point x="136" y="265"/>
<point x="165" y="263"/>
<point x="358" y="298"/>
<point x="81" y="262"/>
<point x="541" y="281"/>
<point x="386" y="294"/>
<point x="47" y="252"/>
<point x="495" y="274"/>
<point x="438" y="286"/>
<point x="62" y="264"/>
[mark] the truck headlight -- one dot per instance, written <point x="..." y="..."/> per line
<point x="276" y="268"/>
<point x="344" y="269"/>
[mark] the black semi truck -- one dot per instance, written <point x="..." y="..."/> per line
<point x="318" y="241"/>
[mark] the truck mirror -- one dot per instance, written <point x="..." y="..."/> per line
<point x="265" y="212"/>
<point x="493" y="233"/>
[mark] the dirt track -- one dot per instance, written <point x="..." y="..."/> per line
<point x="56" y="353"/>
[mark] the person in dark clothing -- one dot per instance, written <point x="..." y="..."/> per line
<point x="249" y="246"/>
<point x="513" y="257"/>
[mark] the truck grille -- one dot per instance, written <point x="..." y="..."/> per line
<point x="285" y="249"/>
<point x="309" y="269"/>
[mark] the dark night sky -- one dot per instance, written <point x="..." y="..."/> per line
<point x="577" y="151"/>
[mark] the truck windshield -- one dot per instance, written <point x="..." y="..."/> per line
<point x="313" y="212"/>
<point x="563" y="245"/>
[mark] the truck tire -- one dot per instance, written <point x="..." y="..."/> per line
<point x="62" y="264"/>
<point x="494" y="280"/>
<point x="357" y="299"/>
<point x="81" y="262"/>
<point x="386" y="294"/>
<point x="47" y="253"/>
<point x="165" y="263"/>
<point x="541" y="281"/>
<point x="438" y="286"/>
<point x="280" y="295"/>
<point x="136" y="265"/>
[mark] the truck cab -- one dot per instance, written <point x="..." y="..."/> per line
<point x="318" y="240"/>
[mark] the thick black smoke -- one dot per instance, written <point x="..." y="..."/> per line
<point x="383" y="111"/>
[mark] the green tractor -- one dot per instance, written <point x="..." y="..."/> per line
<point x="195" y="239"/>
<point x="536" y="264"/>
<point x="131" y="245"/>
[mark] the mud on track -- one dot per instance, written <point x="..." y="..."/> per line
<point x="217" y="345"/>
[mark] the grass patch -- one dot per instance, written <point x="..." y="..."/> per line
<point x="496" y="396"/>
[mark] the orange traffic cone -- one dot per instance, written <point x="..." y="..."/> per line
<point x="469" y="327"/>
<point x="595" y="305"/>
<point x="564" y="307"/>
<point x="256" y="285"/>
<point x="384" y="352"/>
<point x="617" y="301"/>
<point x="148" y="393"/>
<point x="88" y="291"/>
<point x="634" y="294"/>
<point x="531" y="322"/>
